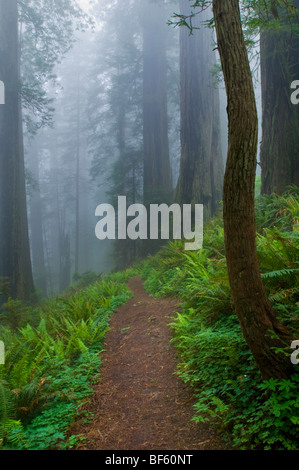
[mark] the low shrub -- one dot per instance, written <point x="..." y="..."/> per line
<point x="213" y="355"/>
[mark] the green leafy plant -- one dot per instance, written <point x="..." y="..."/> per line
<point x="52" y="363"/>
<point x="213" y="355"/>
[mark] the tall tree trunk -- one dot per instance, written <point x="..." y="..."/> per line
<point x="15" y="263"/>
<point x="36" y="224"/>
<point x="201" y="167"/>
<point x="64" y="254"/>
<point x="157" y="171"/>
<point x="256" y="316"/>
<point x="78" y="158"/>
<point x="280" y="119"/>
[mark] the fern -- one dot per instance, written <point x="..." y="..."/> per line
<point x="213" y="355"/>
<point x="51" y="363"/>
<point x="7" y="411"/>
<point x="282" y="273"/>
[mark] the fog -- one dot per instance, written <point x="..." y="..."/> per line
<point x="103" y="117"/>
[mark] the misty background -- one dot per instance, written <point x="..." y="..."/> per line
<point x="92" y="149"/>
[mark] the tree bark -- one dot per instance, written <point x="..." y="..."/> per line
<point x="77" y="177"/>
<point x="36" y="224"/>
<point x="157" y="171"/>
<point x="201" y="166"/>
<point x="280" y="119"/>
<point x="15" y="262"/>
<point x="64" y="255"/>
<point x="256" y="316"/>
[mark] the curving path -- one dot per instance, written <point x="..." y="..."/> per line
<point x="140" y="404"/>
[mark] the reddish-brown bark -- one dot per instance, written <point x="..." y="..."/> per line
<point x="257" y="318"/>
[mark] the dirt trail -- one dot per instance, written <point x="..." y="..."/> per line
<point x="140" y="404"/>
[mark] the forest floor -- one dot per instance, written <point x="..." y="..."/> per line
<point x="139" y="402"/>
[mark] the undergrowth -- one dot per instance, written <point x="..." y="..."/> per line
<point x="53" y="350"/>
<point x="214" y="357"/>
<point x="52" y="359"/>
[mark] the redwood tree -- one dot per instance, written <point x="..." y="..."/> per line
<point x="36" y="223"/>
<point x="157" y="175"/>
<point x="280" y="118"/>
<point x="201" y="165"/>
<point x="157" y="171"/>
<point x="261" y="328"/>
<point x="15" y="263"/>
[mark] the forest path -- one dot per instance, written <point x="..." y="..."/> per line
<point x="139" y="403"/>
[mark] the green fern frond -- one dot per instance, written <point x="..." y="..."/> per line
<point x="280" y="273"/>
<point x="7" y="409"/>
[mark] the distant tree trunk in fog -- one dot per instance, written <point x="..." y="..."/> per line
<point x="77" y="196"/>
<point x="15" y="263"/>
<point x="262" y="330"/>
<point x="157" y="170"/>
<point x="64" y="255"/>
<point x="201" y="168"/>
<point x="36" y="225"/>
<point x="280" y="118"/>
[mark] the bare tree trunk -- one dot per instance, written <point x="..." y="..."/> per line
<point x="15" y="263"/>
<point x="36" y="224"/>
<point x="78" y="158"/>
<point x="256" y="316"/>
<point x="157" y="171"/>
<point x="64" y="255"/>
<point x="201" y="165"/>
<point x="280" y="118"/>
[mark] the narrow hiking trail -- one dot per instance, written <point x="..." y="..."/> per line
<point x="140" y="403"/>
